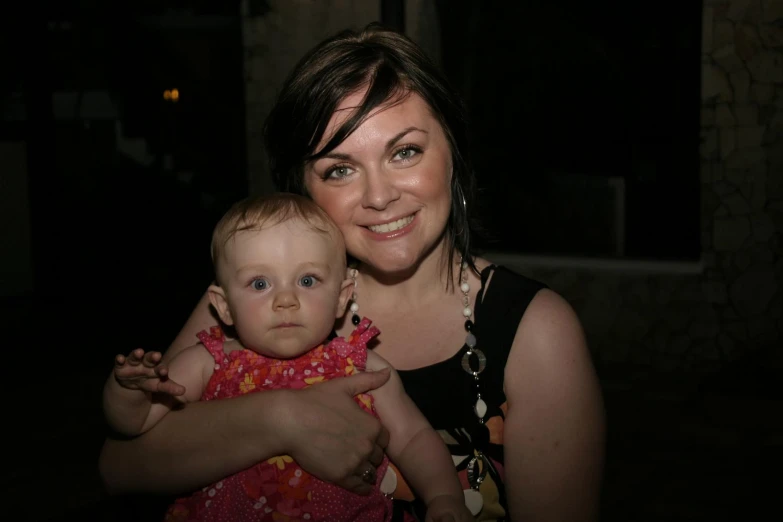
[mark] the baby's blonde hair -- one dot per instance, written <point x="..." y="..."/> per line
<point x="259" y="212"/>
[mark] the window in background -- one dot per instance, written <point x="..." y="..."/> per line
<point x="585" y="123"/>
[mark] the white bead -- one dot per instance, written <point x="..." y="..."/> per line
<point x="467" y="312"/>
<point x="389" y="482"/>
<point x="480" y="409"/>
<point x="465" y="288"/>
<point x="473" y="501"/>
<point x="354" y="307"/>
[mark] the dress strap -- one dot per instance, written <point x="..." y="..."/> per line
<point x="482" y="291"/>
<point x="497" y="316"/>
<point x="213" y="340"/>
<point x="356" y="344"/>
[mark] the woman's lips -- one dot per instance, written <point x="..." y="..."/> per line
<point x="392" y="226"/>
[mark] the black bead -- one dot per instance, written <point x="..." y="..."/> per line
<point x="469" y="325"/>
<point x="480" y="437"/>
<point x="355" y="320"/>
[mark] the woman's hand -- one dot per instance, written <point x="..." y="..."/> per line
<point x="330" y="436"/>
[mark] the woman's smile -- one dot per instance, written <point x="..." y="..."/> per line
<point x="393" y="228"/>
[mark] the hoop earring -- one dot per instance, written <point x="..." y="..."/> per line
<point x="461" y="195"/>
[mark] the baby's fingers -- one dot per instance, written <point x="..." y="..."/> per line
<point x="135" y="357"/>
<point x="151" y="359"/>
<point x="171" y="388"/>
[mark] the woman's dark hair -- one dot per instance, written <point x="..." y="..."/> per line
<point x="389" y="65"/>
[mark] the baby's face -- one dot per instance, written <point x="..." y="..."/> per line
<point x="284" y="285"/>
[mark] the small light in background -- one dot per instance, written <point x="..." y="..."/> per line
<point x="171" y="95"/>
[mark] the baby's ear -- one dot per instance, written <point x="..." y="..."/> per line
<point x="346" y="290"/>
<point x="217" y="296"/>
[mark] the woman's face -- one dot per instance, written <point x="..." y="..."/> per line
<point x="387" y="186"/>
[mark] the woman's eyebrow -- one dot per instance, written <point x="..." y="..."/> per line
<point x="397" y="137"/>
<point x="389" y="144"/>
<point x="337" y="155"/>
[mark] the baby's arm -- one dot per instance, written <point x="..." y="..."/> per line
<point x="417" y="450"/>
<point x="131" y="407"/>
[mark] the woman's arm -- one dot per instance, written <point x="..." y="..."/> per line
<point x="554" y="427"/>
<point x="321" y="427"/>
<point x="201" y="318"/>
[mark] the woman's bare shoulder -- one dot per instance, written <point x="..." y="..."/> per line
<point x="550" y="322"/>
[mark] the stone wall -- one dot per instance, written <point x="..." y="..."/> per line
<point x="275" y="38"/>
<point x="652" y="318"/>
<point x="734" y="307"/>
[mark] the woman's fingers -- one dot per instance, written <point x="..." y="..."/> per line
<point x="366" y="472"/>
<point x="330" y="435"/>
<point x="382" y="439"/>
<point x="365" y="382"/>
<point x="376" y="457"/>
<point x="355" y="484"/>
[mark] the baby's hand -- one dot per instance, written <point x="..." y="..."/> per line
<point x="446" y="508"/>
<point x="143" y="371"/>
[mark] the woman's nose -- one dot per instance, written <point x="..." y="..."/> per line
<point x="380" y="189"/>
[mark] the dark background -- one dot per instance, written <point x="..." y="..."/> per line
<point x="120" y="246"/>
<point x="130" y="233"/>
<point x="564" y="96"/>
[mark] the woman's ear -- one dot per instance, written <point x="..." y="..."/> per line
<point x="217" y="296"/>
<point x="346" y="289"/>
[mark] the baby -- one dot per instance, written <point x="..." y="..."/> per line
<point x="281" y="282"/>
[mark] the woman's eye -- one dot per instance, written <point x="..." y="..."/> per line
<point x="259" y="284"/>
<point x="338" y="172"/>
<point x="307" y="281"/>
<point x="407" y="153"/>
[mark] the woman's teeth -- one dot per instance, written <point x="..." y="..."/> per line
<point x="391" y="227"/>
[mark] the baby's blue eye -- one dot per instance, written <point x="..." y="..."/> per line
<point x="307" y="281"/>
<point x="259" y="284"/>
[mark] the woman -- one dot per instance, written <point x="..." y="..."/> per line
<point x="368" y="128"/>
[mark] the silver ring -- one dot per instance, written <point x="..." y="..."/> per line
<point x="368" y="475"/>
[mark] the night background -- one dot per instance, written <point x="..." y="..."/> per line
<point x="631" y="157"/>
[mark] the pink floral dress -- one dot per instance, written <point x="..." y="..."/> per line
<point x="277" y="489"/>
